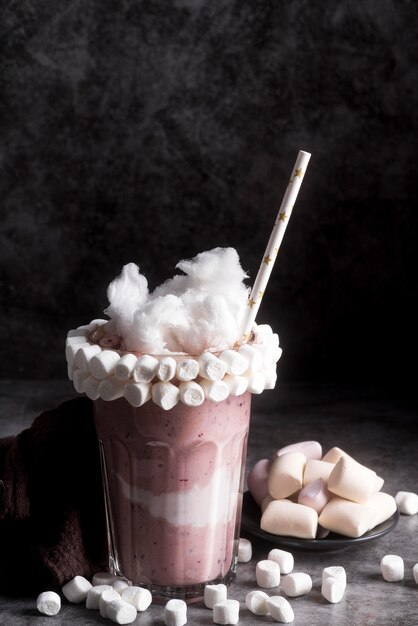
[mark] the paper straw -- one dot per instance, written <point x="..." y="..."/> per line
<point x="274" y="243"/>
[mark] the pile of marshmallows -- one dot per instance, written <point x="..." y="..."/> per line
<point x="105" y="373"/>
<point x="304" y="494"/>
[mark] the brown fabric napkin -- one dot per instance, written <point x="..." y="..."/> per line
<point x="52" y="524"/>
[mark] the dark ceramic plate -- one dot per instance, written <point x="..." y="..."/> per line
<point x="332" y="543"/>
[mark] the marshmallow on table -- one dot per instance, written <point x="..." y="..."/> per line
<point x="258" y="480"/>
<point x="347" y="518"/>
<point x="245" y="550"/>
<point x="166" y="395"/>
<point x="337" y="572"/>
<point x="139" y="597"/>
<point x="121" y="612"/>
<point x="286" y="474"/>
<point x="236" y="363"/>
<point x="48" y="603"/>
<point x="105" y="599"/>
<point x="267" y="574"/>
<point x="216" y="391"/>
<point x="407" y="502"/>
<point x="237" y="385"/>
<point x="415" y="572"/>
<point x="392" y="568"/>
<point x="175" y="613"/>
<point x="256" y="602"/>
<point x="282" y="517"/>
<point x="125" y="366"/>
<point x="76" y="589"/>
<point x="120" y="585"/>
<point x="280" y="609"/>
<point x="315" y="469"/>
<point x="137" y="393"/>
<point x="210" y="367"/>
<point x="252" y="356"/>
<point x="351" y="480"/>
<point x="298" y="584"/>
<point x="103" y="364"/>
<point x="311" y="449"/>
<point x="166" y="368"/>
<point x="334" y="455"/>
<point x="284" y="560"/>
<point x="315" y="495"/>
<point x="226" y="612"/>
<point x="187" y="369"/>
<point x="384" y="506"/>
<point x="332" y="590"/>
<point x="145" y="369"/>
<point x="191" y="393"/>
<point x="94" y="594"/>
<point x="111" y="389"/>
<point x="214" y="594"/>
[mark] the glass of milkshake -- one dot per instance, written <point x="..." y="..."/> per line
<point x="171" y="378"/>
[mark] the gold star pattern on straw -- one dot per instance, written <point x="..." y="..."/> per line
<point x="245" y="337"/>
<point x="267" y="260"/>
<point x="299" y="173"/>
<point x="260" y="294"/>
<point x="251" y="303"/>
<point x="282" y="216"/>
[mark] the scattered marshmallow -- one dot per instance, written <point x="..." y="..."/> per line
<point x="297" y="584"/>
<point x="351" y="480"/>
<point x="121" y="612"/>
<point x="138" y="393"/>
<point x="166" y="368"/>
<point x="286" y="474"/>
<point x="280" y="609"/>
<point x="315" y="469"/>
<point x="337" y="572"/>
<point x="245" y="550"/>
<point x="175" y="613"/>
<point x="124" y="368"/>
<point x="347" y="518"/>
<point x="283" y="517"/>
<point x="94" y="594"/>
<point x="284" y="559"/>
<point x="76" y="589"/>
<point x="166" y="395"/>
<point x="332" y="590"/>
<point x="237" y="385"/>
<point x="210" y="367"/>
<point x="103" y="364"/>
<point x="415" y="572"/>
<point x="392" y="568"/>
<point x="187" y="369"/>
<point x="407" y="502"/>
<point x="236" y="363"/>
<point x="258" y="480"/>
<point x="213" y="594"/>
<point x="139" y="597"/>
<point x="256" y="602"/>
<point x="226" y="612"/>
<point x="217" y="390"/>
<point x="105" y="599"/>
<point x="315" y="495"/>
<point x="145" y="369"/>
<point x="48" y="603"/>
<point x="311" y="449"/>
<point x="267" y="574"/>
<point x="119" y="585"/>
<point x="191" y="393"/>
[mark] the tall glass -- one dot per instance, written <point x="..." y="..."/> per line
<point x="173" y="484"/>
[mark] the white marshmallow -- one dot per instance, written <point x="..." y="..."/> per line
<point x="187" y="369"/>
<point x="256" y="382"/>
<point x="145" y="369"/>
<point x="283" y="517"/>
<point x="166" y="368"/>
<point x="121" y="612"/>
<point x="191" y="393"/>
<point x="81" y="331"/>
<point x="94" y="594"/>
<point x="79" y="378"/>
<point x="48" y="603"/>
<point x="245" y="550"/>
<point x="266" y="501"/>
<point x="311" y="449"/>
<point x="76" y="589"/>
<point x="334" y="455"/>
<point x="105" y="599"/>
<point x="139" y="597"/>
<point x="237" y="385"/>
<point x="270" y="378"/>
<point x="84" y="354"/>
<point x="267" y="574"/>
<point x="137" y="393"/>
<point x="111" y="389"/>
<point x="407" y="502"/>
<point x="256" y="602"/>
<point x="91" y="387"/>
<point x="236" y="363"/>
<point x="315" y="495"/>
<point x="213" y="594"/>
<point x="415" y="572"/>
<point x="266" y="352"/>
<point x="210" y="367"/>
<point x="103" y="578"/>
<point x="332" y="590"/>
<point x="284" y="559"/>
<point x="378" y="483"/>
<point x="286" y="474"/>
<point x="315" y="469"/>
<point x="78" y="340"/>
<point x="71" y="351"/>
<point x="280" y="609"/>
<point x="119" y="585"/>
<point x="346" y="518"/>
<point x="392" y="568"/>
<point x="166" y="395"/>
<point x="226" y="612"/>
<point x="216" y="391"/>
<point x="252" y="356"/>
<point x="70" y="371"/>
<point x="351" y="480"/>
<point x="297" y="584"/>
<point x="124" y="368"/>
<point x="175" y="613"/>
<point x="103" y="364"/>
<point x="277" y="352"/>
<point x="384" y="506"/>
<point x="262" y="333"/>
<point x="337" y="572"/>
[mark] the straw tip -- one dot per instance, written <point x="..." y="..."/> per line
<point x="305" y="153"/>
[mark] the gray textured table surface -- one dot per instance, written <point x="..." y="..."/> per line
<point x="373" y="426"/>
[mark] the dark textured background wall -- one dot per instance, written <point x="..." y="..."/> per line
<point x="147" y="131"/>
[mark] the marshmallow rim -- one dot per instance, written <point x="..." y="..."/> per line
<point x="96" y="366"/>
